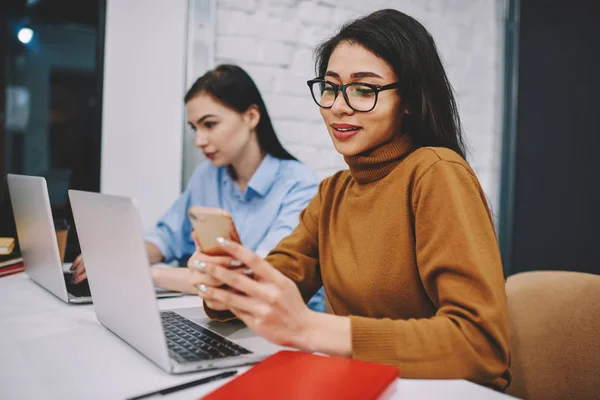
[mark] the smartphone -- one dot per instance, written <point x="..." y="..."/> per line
<point x="209" y="224"/>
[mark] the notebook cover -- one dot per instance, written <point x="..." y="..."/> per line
<point x="12" y="269"/>
<point x="6" y="241"/>
<point x="6" y="245"/>
<point x="7" y="261"/>
<point x="295" y="375"/>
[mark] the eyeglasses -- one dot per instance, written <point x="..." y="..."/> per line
<point x="361" y="97"/>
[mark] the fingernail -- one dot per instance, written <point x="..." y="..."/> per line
<point x="235" y="263"/>
<point x="202" y="288"/>
<point x="248" y="271"/>
<point x="222" y="241"/>
<point x="199" y="265"/>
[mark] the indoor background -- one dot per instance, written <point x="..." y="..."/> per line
<point x="94" y="100"/>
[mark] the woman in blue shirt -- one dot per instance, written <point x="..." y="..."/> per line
<point x="250" y="175"/>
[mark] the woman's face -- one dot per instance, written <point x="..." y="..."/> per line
<point x="355" y="132"/>
<point x="222" y="133"/>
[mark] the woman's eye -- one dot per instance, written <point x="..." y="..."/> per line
<point x="193" y="128"/>
<point x="364" y="91"/>
<point x="209" y="125"/>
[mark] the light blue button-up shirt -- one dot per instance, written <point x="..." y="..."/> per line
<point x="266" y="212"/>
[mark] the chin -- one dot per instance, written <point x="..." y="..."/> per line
<point x="349" y="148"/>
<point x="217" y="162"/>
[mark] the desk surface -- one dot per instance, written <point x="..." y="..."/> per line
<point x="52" y="350"/>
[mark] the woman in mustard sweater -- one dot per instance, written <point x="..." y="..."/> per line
<point x="403" y="241"/>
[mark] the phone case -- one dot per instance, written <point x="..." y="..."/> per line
<point x="209" y="224"/>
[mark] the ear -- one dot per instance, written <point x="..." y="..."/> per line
<point x="252" y="116"/>
<point x="404" y="108"/>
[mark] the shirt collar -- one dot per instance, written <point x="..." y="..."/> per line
<point x="264" y="177"/>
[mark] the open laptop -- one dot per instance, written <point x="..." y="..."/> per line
<point x="180" y="340"/>
<point x="37" y="239"/>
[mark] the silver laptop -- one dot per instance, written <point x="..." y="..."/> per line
<point x="37" y="239"/>
<point x="181" y="340"/>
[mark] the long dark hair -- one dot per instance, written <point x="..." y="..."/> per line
<point x="233" y="87"/>
<point x="411" y="52"/>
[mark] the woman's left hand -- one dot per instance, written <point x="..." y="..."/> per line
<point x="270" y="304"/>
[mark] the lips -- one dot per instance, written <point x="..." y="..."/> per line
<point x="345" y="131"/>
<point x="210" y="155"/>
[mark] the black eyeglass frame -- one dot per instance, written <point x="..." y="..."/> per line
<point x="342" y="88"/>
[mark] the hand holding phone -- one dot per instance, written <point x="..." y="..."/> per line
<point x="209" y="224"/>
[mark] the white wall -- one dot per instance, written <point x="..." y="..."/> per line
<point x="274" y="41"/>
<point x="200" y="58"/>
<point x="143" y="113"/>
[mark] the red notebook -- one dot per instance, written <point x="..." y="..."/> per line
<point x="295" y="375"/>
<point x="12" y="269"/>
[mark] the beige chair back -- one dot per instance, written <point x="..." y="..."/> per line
<point x="555" y="335"/>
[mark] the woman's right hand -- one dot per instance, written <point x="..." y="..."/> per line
<point x="196" y="264"/>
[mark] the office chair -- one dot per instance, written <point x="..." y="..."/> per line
<point x="554" y="335"/>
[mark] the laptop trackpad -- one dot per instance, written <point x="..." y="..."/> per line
<point x="232" y="329"/>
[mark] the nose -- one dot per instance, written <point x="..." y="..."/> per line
<point x="201" y="139"/>
<point x="340" y="106"/>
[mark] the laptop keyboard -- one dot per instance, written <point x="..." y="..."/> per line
<point x="188" y="341"/>
<point x="81" y="289"/>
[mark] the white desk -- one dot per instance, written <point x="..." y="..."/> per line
<point x="51" y="350"/>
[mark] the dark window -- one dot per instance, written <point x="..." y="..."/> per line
<point x="51" y="54"/>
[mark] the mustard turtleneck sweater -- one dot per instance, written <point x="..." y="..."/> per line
<point x="405" y="246"/>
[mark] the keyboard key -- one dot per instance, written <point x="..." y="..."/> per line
<point x="202" y="354"/>
<point x="188" y="341"/>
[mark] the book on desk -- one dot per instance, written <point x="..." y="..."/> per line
<point x="7" y="245"/>
<point x="15" y="266"/>
<point x="10" y="261"/>
<point x="295" y="375"/>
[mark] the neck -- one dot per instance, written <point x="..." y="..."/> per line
<point x="246" y="165"/>
<point x="376" y="163"/>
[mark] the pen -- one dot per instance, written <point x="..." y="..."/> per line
<point x="183" y="386"/>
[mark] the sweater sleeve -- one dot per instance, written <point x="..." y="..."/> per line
<point x="296" y="256"/>
<point x="460" y="267"/>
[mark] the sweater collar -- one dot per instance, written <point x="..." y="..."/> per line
<point x="376" y="163"/>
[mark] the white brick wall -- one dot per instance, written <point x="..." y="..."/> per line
<point x="274" y="41"/>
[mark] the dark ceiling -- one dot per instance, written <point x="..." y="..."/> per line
<point x="79" y="12"/>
